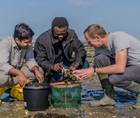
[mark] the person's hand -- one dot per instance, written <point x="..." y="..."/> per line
<point x="57" y="67"/>
<point x="83" y="73"/>
<point x="22" y="79"/>
<point x="39" y="75"/>
<point x="20" y="76"/>
<point x="74" y="66"/>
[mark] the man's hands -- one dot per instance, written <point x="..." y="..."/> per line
<point x="57" y="67"/>
<point x="84" y="73"/>
<point x="22" y="79"/>
<point x="38" y="74"/>
<point x="74" y="66"/>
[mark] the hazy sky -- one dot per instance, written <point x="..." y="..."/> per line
<point x="114" y="15"/>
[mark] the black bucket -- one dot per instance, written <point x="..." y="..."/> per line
<point x="36" y="97"/>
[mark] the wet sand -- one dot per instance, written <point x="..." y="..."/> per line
<point x="18" y="111"/>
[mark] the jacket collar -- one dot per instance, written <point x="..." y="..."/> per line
<point x="14" y="45"/>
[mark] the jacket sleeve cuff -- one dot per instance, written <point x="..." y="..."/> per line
<point x="31" y="63"/>
<point x="5" y="68"/>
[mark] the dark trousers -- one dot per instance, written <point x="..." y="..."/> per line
<point x="104" y="58"/>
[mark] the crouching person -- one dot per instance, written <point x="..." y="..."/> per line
<point x="17" y="62"/>
<point x="57" y="48"/>
<point x="117" y="62"/>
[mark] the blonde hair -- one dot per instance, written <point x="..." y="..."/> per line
<point x="95" y="29"/>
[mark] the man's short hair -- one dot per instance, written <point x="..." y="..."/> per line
<point x="60" y="22"/>
<point x="23" y="31"/>
<point x="95" y="29"/>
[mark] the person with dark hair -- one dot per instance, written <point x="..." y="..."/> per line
<point x="17" y="61"/>
<point x="59" y="48"/>
<point x="119" y="66"/>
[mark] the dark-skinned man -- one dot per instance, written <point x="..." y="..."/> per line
<point x="59" y="48"/>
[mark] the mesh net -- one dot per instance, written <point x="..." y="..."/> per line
<point x="66" y="96"/>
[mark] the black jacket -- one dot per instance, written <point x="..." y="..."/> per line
<point x="45" y="53"/>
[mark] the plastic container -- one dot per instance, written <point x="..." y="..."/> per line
<point x="66" y="95"/>
<point x="36" y="97"/>
<point x="17" y="92"/>
<point x="88" y="95"/>
<point x="125" y="97"/>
